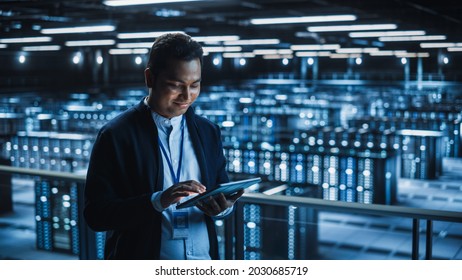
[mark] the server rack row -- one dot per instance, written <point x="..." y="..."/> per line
<point x="348" y="175"/>
<point x="451" y="129"/>
<point x="67" y="152"/>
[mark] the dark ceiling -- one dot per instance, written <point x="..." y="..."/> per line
<point x="231" y="17"/>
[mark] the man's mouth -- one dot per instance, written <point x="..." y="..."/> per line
<point x="182" y="104"/>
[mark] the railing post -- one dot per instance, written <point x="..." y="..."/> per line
<point x="429" y="240"/>
<point x="87" y="237"/>
<point x="239" y="231"/>
<point x="415" y="238"/>
<point x="229" y="237"/>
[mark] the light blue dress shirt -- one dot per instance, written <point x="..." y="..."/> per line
<point x="196" y="245"/>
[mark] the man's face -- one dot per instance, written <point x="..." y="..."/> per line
<point x="175" y="88"/>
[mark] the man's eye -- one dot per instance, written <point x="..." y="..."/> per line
<point x="174" y="85"/>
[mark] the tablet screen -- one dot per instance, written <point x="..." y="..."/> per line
<point x="225" y="188"/>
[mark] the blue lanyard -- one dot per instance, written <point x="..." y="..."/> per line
<point x="175" y="177"/>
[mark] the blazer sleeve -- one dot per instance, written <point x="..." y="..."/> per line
<point x="109" y="202"/>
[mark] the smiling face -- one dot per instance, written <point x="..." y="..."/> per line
<point x="174" y="88"/>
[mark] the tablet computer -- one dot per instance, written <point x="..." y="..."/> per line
<point x="225" y="188"/>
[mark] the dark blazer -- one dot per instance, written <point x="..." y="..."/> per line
<point x="126" y="168"/>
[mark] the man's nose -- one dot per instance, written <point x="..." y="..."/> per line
<point x="186" y="93"/>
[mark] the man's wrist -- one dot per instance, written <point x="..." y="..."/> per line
<point x="156" y="201"/>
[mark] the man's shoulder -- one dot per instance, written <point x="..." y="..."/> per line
<point x="124" y="120"/>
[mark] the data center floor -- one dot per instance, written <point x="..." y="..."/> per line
<point x="341" y="236"/>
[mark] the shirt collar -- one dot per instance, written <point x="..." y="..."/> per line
<point x="162" y="122"/>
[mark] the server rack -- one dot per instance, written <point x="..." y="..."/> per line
<point x="57" y="216"/>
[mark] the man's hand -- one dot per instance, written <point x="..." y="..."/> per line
<point x="213" y="206"/>
<point x="176" y="192"/>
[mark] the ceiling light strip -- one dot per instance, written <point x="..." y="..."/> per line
<point x="312" y="54"/>
<point x="119" y="3"/>
<point x="26" y="40"/>
<point x="338" y="28"/>
<point x="357" y="50"/>
<point x="140" y="35"/>
<point x="272" y="51"/>
<point x="222" y="49"/>
<point x="89" y="43"/>
<point x="41" y="48"/>
<point x="253" y="42"/>
<point x="388" y="53"/>
<point x="386" y="33"/>
<point x="128" y="51"/>
<point x="223" y="38"/>
<point x="439" y="45"/>
<point x="78" y="29"/>
<point x="134" y="45"/>
<point x="411" y="55"/>
<point x="315" y="47"/>
<point x="277" y="56"/>
<point x="455" y="49"/>
<point x="239" y="55"/>
<point x="308" y="19"/>
<point x="412" y="38"/>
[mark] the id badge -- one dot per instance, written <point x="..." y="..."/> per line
<point x="180" y="224"/>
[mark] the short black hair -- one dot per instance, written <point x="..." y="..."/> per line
<point x="173" y="46"/>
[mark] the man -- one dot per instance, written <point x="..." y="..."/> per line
<point x="153" y="155"/>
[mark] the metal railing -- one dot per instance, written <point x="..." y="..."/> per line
<point x="416" y="214"/>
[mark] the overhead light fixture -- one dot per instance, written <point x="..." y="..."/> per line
<point x="455" y="49"/>
<point x="89" y="43"/>
<point x="315" y="47"/>
<point x="312" y="54"/>
<point x="134" y="45"/>
<point x="207" y="39"/>
<point x="3" y="46"/>
<point x="342" y="55"/>
<point x="272" y="51"/>
<point x="22" y="58"/>
<point x="277" y="56"/>
<point x="253" y="42"/>
<point x="357" y="50"/>
<point x="26" y="40"/>
<point x="41" y="48"/>
<point x="139" y="35"/>
<point x="439" y="45"/>
<point x="285" y="20"/>
<point x="78" y="29"/>
<point x="118" y="3"/>
<point x="128" y="51"/>
<point x="77" y="58"/>
<point x="412" y="38"/>
<point x="238" y="55"/>
<point x="411" y="55"/>
<point x="222" y="49"/>
<point x="388" y="53"/>
<point x="356" y="27"/>
<point x="386" y="33"/>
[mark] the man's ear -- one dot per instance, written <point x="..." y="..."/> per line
<point x="148" y="78"/>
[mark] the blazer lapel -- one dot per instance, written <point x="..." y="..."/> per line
<point x="151" y="133"/>
<point x="198" y="146"/>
